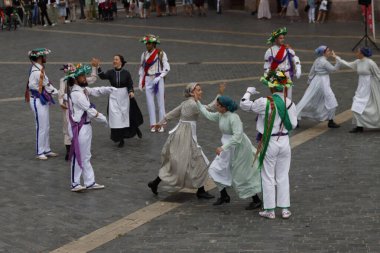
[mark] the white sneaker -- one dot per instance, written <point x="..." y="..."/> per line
<point x="45" y="25"/>
<point x="95" y="187"/>
<point x="41" y="157"/>
<point x="51" y="154"/>
<point x="161" y="130"/>
<point x="267" y="214"/>
<point x="286" y="214"/>
<point x="78" y="188"/>
<point x="67" y="21"/>
<point x="54" y="24"/>
<point x="153" y="129"/>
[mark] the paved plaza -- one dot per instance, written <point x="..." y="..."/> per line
<point x="334" y="176"/>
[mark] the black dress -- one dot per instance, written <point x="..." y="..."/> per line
<point x="121" y="78"/>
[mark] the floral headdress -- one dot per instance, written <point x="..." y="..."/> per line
<point x="277" y="80"/>
<point x="150" y="38"/>
<point x="37" y="52"/>
<point x="275" y="34"/>
<point x="75" y="70"/>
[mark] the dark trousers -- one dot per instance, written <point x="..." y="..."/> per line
<point x="44" y="14"/>
<point x="82" y="3"/>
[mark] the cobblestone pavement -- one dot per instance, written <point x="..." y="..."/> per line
<point x="334" y="178"/>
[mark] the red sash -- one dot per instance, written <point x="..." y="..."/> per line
<point x="278" y="58"/>
<point x="147" y="64"/>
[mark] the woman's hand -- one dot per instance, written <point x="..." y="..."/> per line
<point x="222" y="87"/>
<point x="64" y="107"/>
<point x="131" y="94"/>
<point x="219" y="150"/>
<point x="95" y="62"/>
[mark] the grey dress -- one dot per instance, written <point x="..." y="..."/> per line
<point x="183" y="163"/>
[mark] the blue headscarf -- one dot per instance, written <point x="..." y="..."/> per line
<point x="228" y="103"/>
<point x="320" y="50"/>
<point x="366" y="51"/>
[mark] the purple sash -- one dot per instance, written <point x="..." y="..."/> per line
<point x="76" y="127"/>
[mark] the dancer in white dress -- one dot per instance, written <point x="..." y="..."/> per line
<point x="366" y="102"/>
<point x="319" y="102"/>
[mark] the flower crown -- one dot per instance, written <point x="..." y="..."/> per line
<point x="277" y="80"/>
<point x="75" y="70"/>
<point x="37" y="52"/>
<point x="150" y="38"/>
<point x="275" y="34"/>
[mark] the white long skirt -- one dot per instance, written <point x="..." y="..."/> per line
<point x="318" y="102"/>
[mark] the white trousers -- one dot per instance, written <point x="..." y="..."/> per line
<point x="275" y="172"/>
<point x="65" y="129"/>
<point x="41" y="118"/>
<point x="85" y="137"/>
<point x="311" y="15"/>
<point x="160" y="96"/>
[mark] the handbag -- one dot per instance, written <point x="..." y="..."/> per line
<point x="307" y="7"/>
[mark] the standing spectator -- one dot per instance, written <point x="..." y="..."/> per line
<point x="172" y="8"/>
<point x="322" y="12"/>
<point x="255" y="7"/>
<point x="82" y="4"/>
<point x="62" y="5"/>
<point x="52" y="10"/>
<point x="35" y="13"/>
<point x="44" y="14"/>
<point x="158" y="7"/>
<point x="284" y="5"/>
<point x="89" y="9"/>
<point x="311" y="11"/>
<point x="292" y="10"/>
<point x="127" y="5"/>
<point x="264" y="10"/>
<point x="72" y="13"/>
<point x="188" y="7"/>
<point x="145" y="9"/>
<point x="200" y="6"/>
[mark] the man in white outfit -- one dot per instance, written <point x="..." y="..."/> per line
<point x="277" y="116"/>
<point x="281" y="56"/>
<point x="153" y="68"/>
<point x="81" y="111"/>
<point x="39" y="95"/>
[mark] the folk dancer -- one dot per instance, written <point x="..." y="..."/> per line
<point x="38" y="94"/>
<point x="183" y="163"/>
<point x="366" y="102"/>
<point x="154" y="67"/>
<point x="62" y="99"/>
<point x="81" y="111"/>
<point x="234" y="164"/>
<point x="276" y="118"/>
<point x="319" y="102"/>
<point x="281" y="56"/>
<point x="124" y="115"/>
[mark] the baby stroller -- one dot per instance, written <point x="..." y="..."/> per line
<point x="106" y="10"/>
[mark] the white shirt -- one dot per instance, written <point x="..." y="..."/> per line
<point x="80" y="102"/>
<point x="34" y="79"/>
<point x="259" y="105"/>
<point x="285" y="65"/>
<point x="156" y="67"/>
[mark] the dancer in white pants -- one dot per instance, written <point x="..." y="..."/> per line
<point x="277" y="116"/>
<point x="39" y="95"/>
<point x="81" y="111"/>
<point x="62" y="99"/>
<point x="282" y="57"/>
<point x="154" y="67"/>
